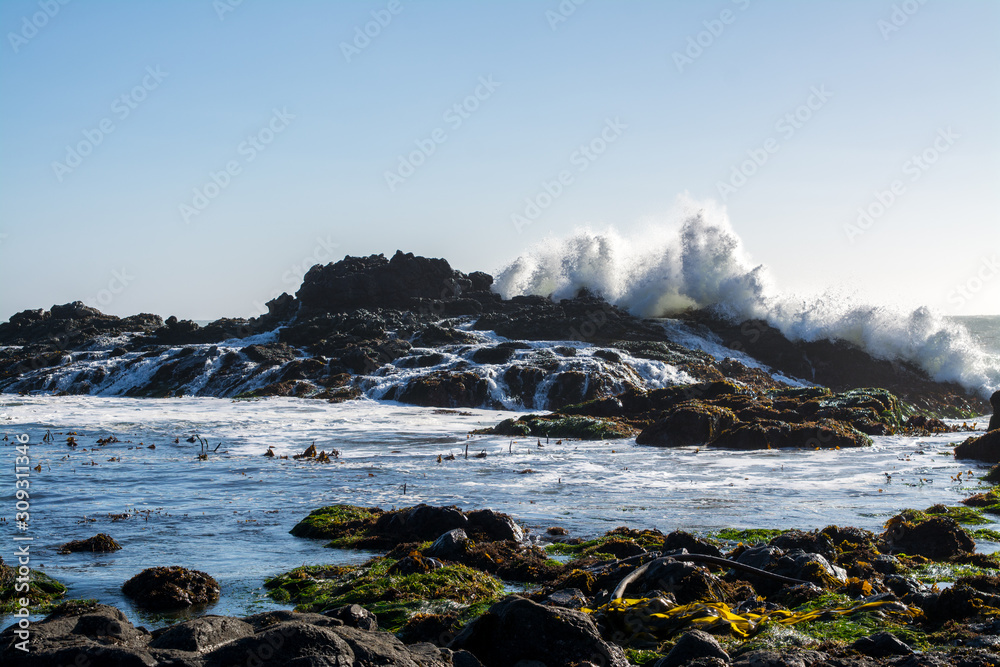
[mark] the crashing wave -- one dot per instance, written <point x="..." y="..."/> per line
<point x="702" y="263"/>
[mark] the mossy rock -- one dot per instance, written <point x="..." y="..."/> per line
<point x="963" y="515"/>
<point x="748" y="535"/>
<point x="561" y="426"/>
<point x="887" y="406"/>
<point x="42" y="591"/>
<point x="391" y="596"/>
<point x="338" y="522"/>
<point x="800" y="393"/>
<point x="609" y="545"/>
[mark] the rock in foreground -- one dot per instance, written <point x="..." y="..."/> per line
<point x="95" y="634"/>
<point x="165" y="588"/>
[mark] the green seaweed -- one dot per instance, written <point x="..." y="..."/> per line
<point x="933" y="573"/>
<point x="344" y="525"/>
<point x="43" y="591"/>
<point x="847" y="629"/>
<point x="391" y="596"/>
<point x="642" y="656"/>
<point x="986" y="534"/>
<point x="965" y="515"/>
<point x="748" y="535"/>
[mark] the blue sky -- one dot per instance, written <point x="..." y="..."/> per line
<point x="309" y="128"/>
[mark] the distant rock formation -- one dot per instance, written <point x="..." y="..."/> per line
<point x="351" y="318"/>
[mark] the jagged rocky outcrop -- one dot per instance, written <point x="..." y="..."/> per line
<point x="403" y="282"/>
<point x="415" y="330"/>
<point x="838" y="364"/>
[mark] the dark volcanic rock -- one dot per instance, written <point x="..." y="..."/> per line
<point x="769" y="434"/>
<point x="354" y="616"/>
<point x="584" y="318"/>
<point x="693" y="423"/>
<point x="163" y="588"/>
<point x="881" y="645"/>
<point x="839" y="365"/>
<point x="680" y="539"/>
<point x="445" y="390"/>
<point x="374" y="281"/>
<point x="936" y="538"/>
<point x="79" y="634"/>
<point x="202" y="633"/>
<point x="272" y="354"/>
<point x="100" y="543"/>
<point x="494" y="526"/>
<point x="995" y="419"/>
<point x="420" y="523"/>
<point x="517" y="629"/>
<point x="70" y="326"/>
<point x="692" y="645"/>
<point x="186" y="332"/>
<point x="450" y="546"/>
<point x="493" y="355"/>
<point x="98" y="635"/>
<point x="985" y="447"/>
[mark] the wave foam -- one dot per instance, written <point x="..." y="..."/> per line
<point x="701" y="263"/>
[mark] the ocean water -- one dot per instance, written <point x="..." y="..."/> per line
<point x="230" y="515"/>
<point x="985" y="330"/>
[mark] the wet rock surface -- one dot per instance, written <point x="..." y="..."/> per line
<point x="444" y="599"/>
<point x="100" y="543"/>
<point x="518" y="629"/>
<point x="985" y="447"/>
<point x="101" y="635"/>
<point x="165" y="588"/>
<point x="727" y="415"/>
<point x="995" y="418"/>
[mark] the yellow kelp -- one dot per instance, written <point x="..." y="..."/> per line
<point x="654" y="618"/>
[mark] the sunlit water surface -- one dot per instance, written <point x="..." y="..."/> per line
<point x="230" y="515"/>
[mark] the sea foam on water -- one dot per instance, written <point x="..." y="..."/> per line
<point x="702" y="263"/>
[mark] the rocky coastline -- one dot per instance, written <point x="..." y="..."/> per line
<point x="468" y="588"/>
<point x="471" y="588"/>
<point x="411" y="329"/>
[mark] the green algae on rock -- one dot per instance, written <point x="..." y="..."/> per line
<point x="381" y="587"/>
<point x="42" y="591"/>
<point x="342" y="524"/>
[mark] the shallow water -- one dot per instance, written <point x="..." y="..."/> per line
<point x="230" y="514"/>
